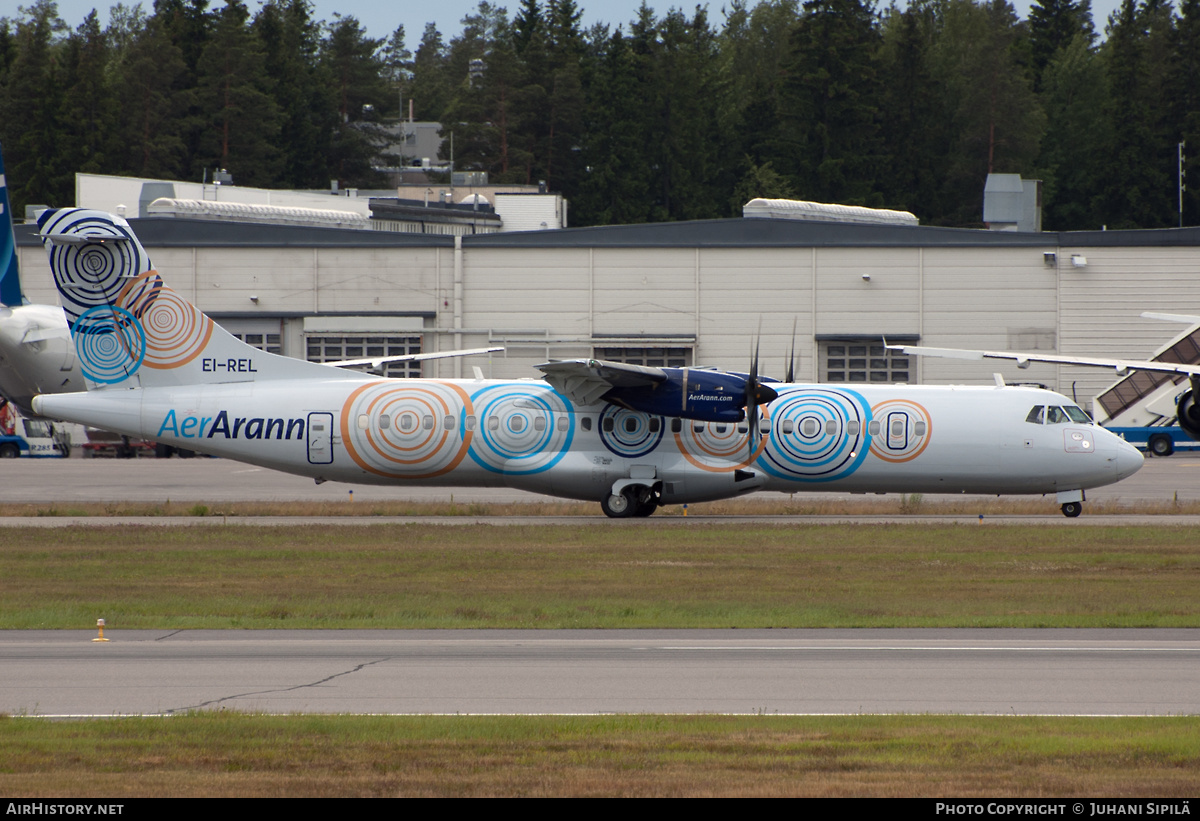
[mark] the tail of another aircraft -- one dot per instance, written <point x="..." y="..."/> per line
<point x="10" y="279"/>
<point x="129" y="329"/>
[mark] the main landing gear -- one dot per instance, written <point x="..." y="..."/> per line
<point x="1072" y="509"/>
<point x="635" y="500"/>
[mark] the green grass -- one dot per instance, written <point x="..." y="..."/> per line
<point x="699" y="575"/>
<point x="227" y="754"/>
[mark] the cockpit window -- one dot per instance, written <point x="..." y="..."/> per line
<point x="1055" y="416"/>
<point x="1077" y="414"/>
<point x="1037" y="416"/>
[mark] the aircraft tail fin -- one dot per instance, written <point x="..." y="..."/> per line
<point x="131" y="330"/>
<point x="10" y="278"/>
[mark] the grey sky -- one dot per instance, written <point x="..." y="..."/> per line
<point x="382" y="18"/>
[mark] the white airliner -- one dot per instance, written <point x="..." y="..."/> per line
<point x="36" y="353"/>
<point x="628" y="437"/>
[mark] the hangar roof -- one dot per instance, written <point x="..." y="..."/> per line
<point x="725" y="233"/>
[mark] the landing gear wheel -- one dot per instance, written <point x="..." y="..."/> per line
<point x="620" y="506"/>
<point x="646" y="506"/>
<point x="1072" y="509"/>
<point x="1161" y="445"/>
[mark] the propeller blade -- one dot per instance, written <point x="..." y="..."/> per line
<point x="791" y="368"/>
<point x="752" y="394"/>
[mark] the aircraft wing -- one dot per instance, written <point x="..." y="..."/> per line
<point x="376" y="361"/>
<point x="1121" y="366"/>
<point x="584" y="381"/>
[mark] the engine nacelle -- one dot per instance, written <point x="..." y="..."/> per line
<point x="1189" y="414"/>
<point x="706" y="396"/>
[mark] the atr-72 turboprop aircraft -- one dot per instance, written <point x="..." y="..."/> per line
<point x="628" y="437"/>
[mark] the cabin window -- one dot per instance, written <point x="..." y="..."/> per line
<point x="788" y="426"/>
<point x="655" y="424"/>
<point x="563" y="423"/>
<point x="631" y="424"/>
<point x="385" y="421"/>
<point x="586" y="423"/>
<point x="364" y="421"/>
<point x="719" y="428"/>
<point x="698" y="427"/>
<point x="874" y="427"/>
<point x="609" y="425"/>
<point x="493" y="423"/>
<point x="407" y="423"/>
<point x="427" y="422"/>
<point x="764" y="425"/>
<point x="676" y="425"/>
<point x="448" y="422"/>
<point x="539" y="423"/>
<point x="743" y="428"/>
<point x="470" y="422"/>
<point x="809" y="427"/>
<point x="897" y="428"/>
<point x="831" y="427"/>
<point x="852" y="428"/>
<point x="919" y="428"/>
<point x="516" y="423"/>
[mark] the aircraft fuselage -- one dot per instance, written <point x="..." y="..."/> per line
<point x="523" y="434"/>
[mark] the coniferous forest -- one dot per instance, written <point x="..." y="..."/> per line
<point x="668" y="116"/>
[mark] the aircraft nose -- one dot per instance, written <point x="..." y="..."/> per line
<point x="1129" y="460"/>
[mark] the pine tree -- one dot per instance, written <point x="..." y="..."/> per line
<point x="154" y="110"/>
<point x="241" y="120"/>
<point x="1184" y="92"/>
<point x="308" y="115"/>
<point x="352" y="64"/>
<point x="830" y="104"/>
<point x="1053" y="26"/>
<point x="30" y="110"/>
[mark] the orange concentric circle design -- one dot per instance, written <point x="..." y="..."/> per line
<point x="415" y="431"/>
<point x="900" y="437"/>
<point x="719" y="447"/>
<point x="176" y="331"/>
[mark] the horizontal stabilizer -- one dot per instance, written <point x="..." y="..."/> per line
<point x="95" y="235"/>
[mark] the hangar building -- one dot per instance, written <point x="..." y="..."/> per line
<point x="695" y="293"/>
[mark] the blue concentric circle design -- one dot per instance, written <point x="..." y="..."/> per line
<point x="519" y="431"/>
<point x="631" y="436"/>
<point x="109" y="342"/>
<point x="92" y="274"/>
<point x="828" y="436"/>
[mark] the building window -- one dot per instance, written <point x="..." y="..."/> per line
<point x="264" y="342"/>
<point x="340" y="348"/>
<point x="650" y="357"/>
<point x="859" y="361"/>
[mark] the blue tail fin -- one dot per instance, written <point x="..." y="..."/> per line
<point x="10" y="279"/>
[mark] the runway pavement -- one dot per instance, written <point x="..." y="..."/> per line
<point x="47" y="481"/>
<point x="1027" y="672"/>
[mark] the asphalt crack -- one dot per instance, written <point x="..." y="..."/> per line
<point x="204" y="704"/>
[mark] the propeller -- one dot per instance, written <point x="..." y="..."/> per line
<point x="791" y="367"/>
<point x="756" y="394"/>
